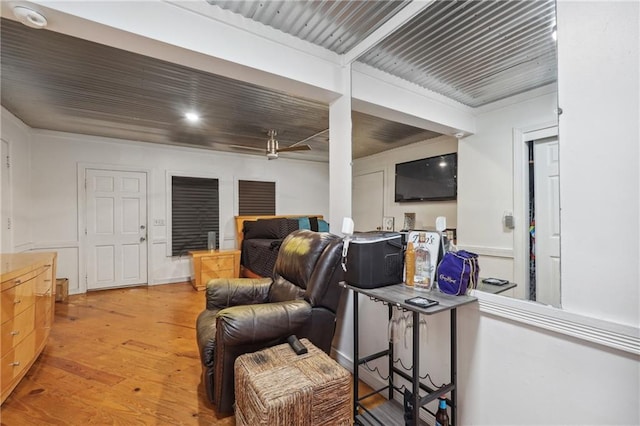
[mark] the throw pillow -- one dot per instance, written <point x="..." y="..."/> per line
<point x="323" y="226"/>
<point x="303" y="223"/>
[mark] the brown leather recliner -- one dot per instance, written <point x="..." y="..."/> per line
<point x="245" y="315"/>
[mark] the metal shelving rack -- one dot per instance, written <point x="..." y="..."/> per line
<point x="392" y="412"/>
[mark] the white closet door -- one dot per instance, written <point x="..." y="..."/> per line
<point x="368" y="199"/>
<point x="547" y="199"/>
<point x="116" y="228"/>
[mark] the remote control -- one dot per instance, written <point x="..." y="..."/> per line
<point x="296" y="345"/>
<point x="420" y="301"/>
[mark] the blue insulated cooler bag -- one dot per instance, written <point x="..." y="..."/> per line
<point x="458" y="272"/>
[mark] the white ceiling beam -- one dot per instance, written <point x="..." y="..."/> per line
<point x="388" y="28"/>
<point x="166" y="31"/>
<point x="379" y="94"/>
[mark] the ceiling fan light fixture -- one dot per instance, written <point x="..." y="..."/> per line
<point x="29" y="17"/>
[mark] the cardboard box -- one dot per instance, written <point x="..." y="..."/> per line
<point x="62" y="290"/>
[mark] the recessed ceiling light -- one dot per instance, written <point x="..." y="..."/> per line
<point x="192" y="117"/>
<point x="30" y="17"/>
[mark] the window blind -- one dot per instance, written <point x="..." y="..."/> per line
<point x="194" y="213"/>
<point x="256" y="198"/>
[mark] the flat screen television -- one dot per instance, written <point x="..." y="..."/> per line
<point x="428" y="179"/>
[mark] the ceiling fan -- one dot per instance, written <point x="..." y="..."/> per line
<point x="273" y="149"/>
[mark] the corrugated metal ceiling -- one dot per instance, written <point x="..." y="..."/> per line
<point x="334" y="25"/>
<point x="474" y="52"/>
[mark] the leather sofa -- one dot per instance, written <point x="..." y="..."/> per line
<point x="245" y="315"/>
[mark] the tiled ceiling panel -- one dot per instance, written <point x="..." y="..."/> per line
<point x="475" y="52"/>
<point x="334" y="25"/>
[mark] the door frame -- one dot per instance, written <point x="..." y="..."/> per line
<point x="542" y="286"/>
<point x="521" y="198"/>
<point x="82" y="215"/>
<point x="6" y="232"/>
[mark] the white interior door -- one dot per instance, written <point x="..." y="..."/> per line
<point x="5" y="201"/>
<point x="368" y="206"/>
<point x="547" y="214"/>
<point x="116" y="228"/>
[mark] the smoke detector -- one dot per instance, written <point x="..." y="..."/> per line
<point x="30" y="17"/>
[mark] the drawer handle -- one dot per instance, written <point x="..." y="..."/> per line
<point x="18" y="281"/>
<point x="17" y="301"/>
<point x="15" y="363"/>
<point x="15" y="332"/>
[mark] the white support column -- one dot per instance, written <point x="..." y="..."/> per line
<point x="340" y="197"/>
<point x="340" y="155"/>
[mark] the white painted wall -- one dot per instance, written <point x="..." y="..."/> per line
<point x="486" y="183"/>
<point x="525" y="374"/>
<point x="426" y="212"/>
<point x="57" y="159"/>
<point x="512" y="373"/>
<point x="599" y="93"/>
<point x="485" y="171"/>
<point x="17" y="134"/>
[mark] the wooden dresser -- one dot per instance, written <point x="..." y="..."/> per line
<point x="28" y="287"/>
<point x="209" y="264"/>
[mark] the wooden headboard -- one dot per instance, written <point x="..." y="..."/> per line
<point x="241" y="219"/>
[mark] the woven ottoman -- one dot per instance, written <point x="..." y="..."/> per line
<point x="276" y="387"/>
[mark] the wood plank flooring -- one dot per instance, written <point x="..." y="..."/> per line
<point x="119" y="357"/>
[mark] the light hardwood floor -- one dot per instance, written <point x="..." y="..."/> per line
<point x="125" y="357"/>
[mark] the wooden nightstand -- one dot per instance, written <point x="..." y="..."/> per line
<point x="209" y="264"/>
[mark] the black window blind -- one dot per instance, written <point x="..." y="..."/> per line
<point x="256" y="198"/>
<point x="194" y="213"/>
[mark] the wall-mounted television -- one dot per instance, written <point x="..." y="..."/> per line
<point x="428" y="179"/>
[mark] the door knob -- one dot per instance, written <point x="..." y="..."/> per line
<point x="142" y="227"/>
<point x="143" y="239"/>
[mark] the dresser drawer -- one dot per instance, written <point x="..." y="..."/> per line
<point x="29" y="275"/>
<point x="17" y="298"/>
<point x="210" y="264"/>
<point x="15" y="362"/>
<point x="17" y="329"/>
<point x="205" y="276"/>
<point x="216" y="263"/>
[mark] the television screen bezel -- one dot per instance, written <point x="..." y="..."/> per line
<point x="453" y="197"/>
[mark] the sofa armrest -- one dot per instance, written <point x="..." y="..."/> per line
<point x="224" y="292"/>
<point x="250" y="324"/>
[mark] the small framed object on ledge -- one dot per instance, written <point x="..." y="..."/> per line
<point x="409" y="221"/>
<point x="388" y="223"/>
